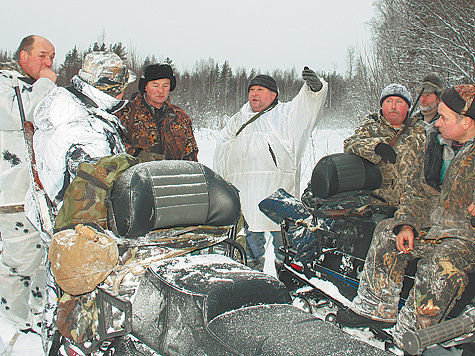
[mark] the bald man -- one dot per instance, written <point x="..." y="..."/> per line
<point x="22" y="251"/>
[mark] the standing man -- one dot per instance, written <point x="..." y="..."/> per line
<point x="260" y="150"/>
<point x="433" y="224"/>
<point x="433" y="87"/>
<point x="22" y="252"/>
<point x="77" y="124"/>
<point x="373" y="140"/>
<point x="157" y="129"/>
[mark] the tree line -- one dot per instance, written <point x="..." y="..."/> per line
<point x="410" y="38"/>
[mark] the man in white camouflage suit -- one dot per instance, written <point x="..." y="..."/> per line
<point x="21" y="245"/>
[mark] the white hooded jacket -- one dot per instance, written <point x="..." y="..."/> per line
<point x="14" y="170"/>
<point x="70" y="132"/>
<point x="266" y="155"/>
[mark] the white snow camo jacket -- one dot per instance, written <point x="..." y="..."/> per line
<point x="266" y="155"/>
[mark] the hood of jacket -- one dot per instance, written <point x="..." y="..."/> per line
<point x="61" y="105"/>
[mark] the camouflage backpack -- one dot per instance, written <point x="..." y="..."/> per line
<point x="86" y="196"/>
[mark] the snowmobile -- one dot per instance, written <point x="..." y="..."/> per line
<point x="175" y="303"/>
<point x="186" y="302"/>
<point x="326" y="237"/>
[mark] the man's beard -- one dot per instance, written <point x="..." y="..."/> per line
<point x="427" y="108"/>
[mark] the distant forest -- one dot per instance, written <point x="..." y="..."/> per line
<point x="409" y="39"/>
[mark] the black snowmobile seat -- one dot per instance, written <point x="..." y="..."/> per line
<point x="179" y="297"/>
<point x="343" y="172"/>
<point x="162" y="194"/>
<point x="279" y="329"/>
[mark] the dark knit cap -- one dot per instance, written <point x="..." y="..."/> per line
<point x="396" y="90"/>
<point x="154" y="72"/>
<point x="460" y="99"/>
<point x="432" y="83"/>
<point x="265" y="81"/>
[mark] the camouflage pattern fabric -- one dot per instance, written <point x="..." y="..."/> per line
<point x="376" y="129"/>
<point x="166" y="131"/>
<point x="447" y="249"/>
<point x="445" y="212"/>
<point x="77" y="317"/>
<point x="440" y="280"/>
<point x="419" y="116"/>
<point x="22" y="276"/>
<point x="107" y="72"/>
<point x="85" y="198"/>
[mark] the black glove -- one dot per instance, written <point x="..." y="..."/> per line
<point x="386" y="152"/>
<point x="311" y="79"/>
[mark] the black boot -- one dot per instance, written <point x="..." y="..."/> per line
<point x="348" y="317"/>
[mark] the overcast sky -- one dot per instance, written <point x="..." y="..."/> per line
<point x="261" y="34"/>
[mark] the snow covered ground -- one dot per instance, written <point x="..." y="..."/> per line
<point x="323" y="142"/>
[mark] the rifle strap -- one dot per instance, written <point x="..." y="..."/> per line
<point x="255" y="117"/>
<point x="82" y="97"/>
<point x="393" y="141"/>
<point x="93" y="180"/>
<point x="131" y="121"/>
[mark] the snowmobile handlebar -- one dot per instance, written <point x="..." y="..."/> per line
<point x="416" y="341"/>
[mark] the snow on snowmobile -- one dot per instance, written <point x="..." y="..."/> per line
<point x="326" y="237"/>
<point x="172" y="300"/>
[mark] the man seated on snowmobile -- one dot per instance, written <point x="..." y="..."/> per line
<point x="374" y="141"/>
<point x="432" y="223"/>
<point x="260" y="150"/>
<point x="76" y="124"/>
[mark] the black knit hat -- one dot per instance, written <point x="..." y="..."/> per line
<point x="154" y="72"/>
<point x="432" y="83"/>
<point x="265" y="81"/>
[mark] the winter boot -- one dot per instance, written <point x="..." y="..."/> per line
<point x="257" y="264"/>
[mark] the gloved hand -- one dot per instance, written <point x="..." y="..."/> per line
<point x="150" y="156"/>
<point x="312" y="79"/>
<point x="386" y="152"/>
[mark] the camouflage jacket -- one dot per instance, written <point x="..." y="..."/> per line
<point x="419" y="116"/>
<point x="376" y="129"/>
<point x="422" y="205"/>
<point x="166" y="131"/>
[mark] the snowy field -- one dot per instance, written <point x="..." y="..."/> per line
<point x="323" y="142"/>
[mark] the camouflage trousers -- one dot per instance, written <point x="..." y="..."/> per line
<point x="440" y="280"/>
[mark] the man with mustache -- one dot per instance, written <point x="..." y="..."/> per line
<point x="372" y="141"/>
<point x="433" y="223"/>
<point x="433" y="87"/>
